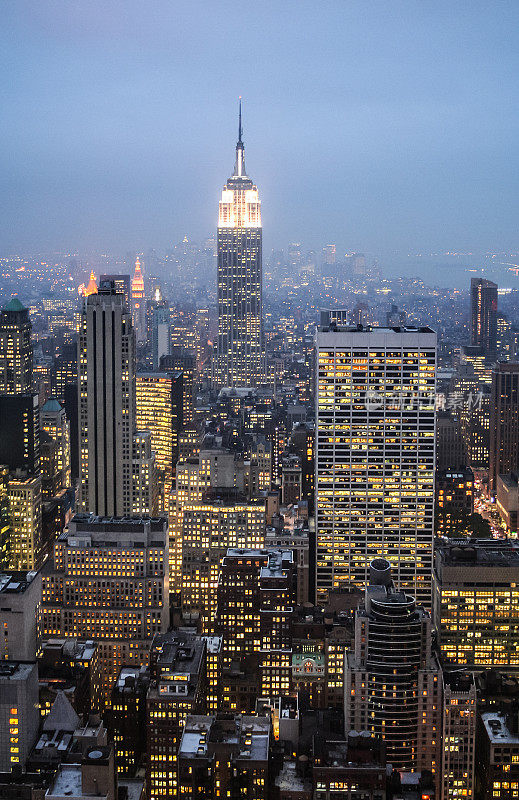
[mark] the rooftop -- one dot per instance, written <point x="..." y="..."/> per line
<point x="16" y="582"/>
<point x="274" y="560"/>
<point x="496" y="726"/>
<point x="289" y="780"/>
<point x="14" y="304"/>
<point x="176" y="658"/>
<point x="334" y="328"/>
<point x="15" y="670"/>
<point x="67" y="782"/>
<point x="477" y="552"/>
<point x="89" y="522"/>
<point x="248" y="736"/>
<point x="51" y="405"/>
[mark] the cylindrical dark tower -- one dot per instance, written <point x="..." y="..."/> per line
<point x="393" y="658"/>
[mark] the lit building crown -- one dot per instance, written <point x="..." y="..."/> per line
<point x="240" y="206"/>
<point x="138" y="280"/>
<point x="86" y="291"/>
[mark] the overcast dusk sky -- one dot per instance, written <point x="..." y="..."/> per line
<point x="377" y="124"/>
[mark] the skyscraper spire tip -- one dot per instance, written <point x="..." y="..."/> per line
<point x="240" y="131"/>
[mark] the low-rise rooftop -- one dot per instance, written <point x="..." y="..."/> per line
<point x="497" y="728"/>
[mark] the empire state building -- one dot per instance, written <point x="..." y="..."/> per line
<point x="240" y="352"/>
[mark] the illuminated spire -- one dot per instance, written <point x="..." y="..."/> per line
<point x="240" y="204"/>
<point x="138" y="280"/>
<point x="92" y="286"/>
<point x="239" y="167"/>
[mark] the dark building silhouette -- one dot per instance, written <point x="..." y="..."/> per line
<point x="20" y="432"/>
<point x="483" y="311"/>
<point x="504" y="422"/>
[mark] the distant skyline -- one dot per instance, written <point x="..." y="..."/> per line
<point x="379" y="126"/>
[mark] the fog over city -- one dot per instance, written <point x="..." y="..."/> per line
<point x="386" y="128"/>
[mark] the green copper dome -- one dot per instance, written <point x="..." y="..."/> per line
<point x="14" y="305"/>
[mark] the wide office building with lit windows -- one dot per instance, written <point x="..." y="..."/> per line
<point x="476" y="602"/>
<point x="240" y="357"/>
<point x="108" y="580"/>
<point x="375" y="455"/>
<point x="222" y="519"/>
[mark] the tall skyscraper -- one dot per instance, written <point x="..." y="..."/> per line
<point x="106" y="386"/>
<point x="483" y="311"/>
<point x="375" y="456"/>
<point x="181" y="360"/>
<point x="145" y="498"/>
<point x="240" y="349"/>
<point x="15" y="349"/>
<point x="504" y="422"/>
<point x="138" y="303"/>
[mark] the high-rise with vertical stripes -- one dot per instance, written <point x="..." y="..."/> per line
<point x="240" y="357"/>
<point x="106" y="385"/>
<point x="375" y="456"/>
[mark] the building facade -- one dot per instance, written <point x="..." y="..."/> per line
<point x="25" y="503"/>
<point x="177" y="689"/>
<point x="20" y="432"/>
<point x="255" y="601"/>
<point x="476" y="602"/>
<point x="504" y="422"/>
<point x="106" y="388"/>
<point x="209" y="528"/>
<point x="393" y="682"/>
<point x="375" y="456"/>
<point x="54" y="422"/>
<point x="160" y="411"/>
<point x="458" y="735"/>
<point x="108" y="580"/>
<point x="19" y="717"/>
<point x="16" y="358"/>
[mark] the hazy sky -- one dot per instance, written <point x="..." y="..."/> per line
<point x="376" y="124"/>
